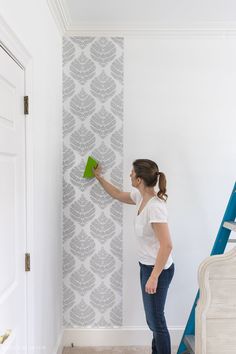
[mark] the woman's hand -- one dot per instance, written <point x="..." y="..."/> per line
<point x="97" y="171"/>
<point x="151" y="285"/>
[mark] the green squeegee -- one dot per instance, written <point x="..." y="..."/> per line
<point x="88" y="172"/>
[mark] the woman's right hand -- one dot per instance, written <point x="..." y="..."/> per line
<point x="97" y="171"/>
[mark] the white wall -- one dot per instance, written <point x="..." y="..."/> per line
<point x="33" y="24"/>
<point x="180" y="110"/>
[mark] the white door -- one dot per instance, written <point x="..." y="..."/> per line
<point x="13" y="301"/>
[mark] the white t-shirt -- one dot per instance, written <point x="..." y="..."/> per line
<point x="154" y="211"/>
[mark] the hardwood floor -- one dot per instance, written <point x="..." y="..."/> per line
<point x="109" y="350"/>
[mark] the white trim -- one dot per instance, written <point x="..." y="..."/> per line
<point x="13" y="44"/>
<point x="61" y="14"/>
<point x="151" y="30"/>
<point x="59" y="344"/>
<point x="124" y="336"/>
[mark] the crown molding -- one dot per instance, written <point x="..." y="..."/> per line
<point x="151" y="30"/>
<point x="61" y="14"/>
<point x="66" y="27"/>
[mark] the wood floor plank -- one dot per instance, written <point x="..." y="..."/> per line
<point x="110" y="350"/>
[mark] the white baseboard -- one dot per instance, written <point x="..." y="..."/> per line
<point x="123" y="336"/>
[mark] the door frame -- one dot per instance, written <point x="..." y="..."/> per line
<point x="16" y="49"/>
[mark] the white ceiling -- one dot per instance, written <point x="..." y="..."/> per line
<point x="163" y="12"/>
<point x="120" y="15"/>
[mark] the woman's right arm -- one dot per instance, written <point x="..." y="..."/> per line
<point x="112" y="190"/>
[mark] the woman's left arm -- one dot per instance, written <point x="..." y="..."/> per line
<point x="163" y="235"/>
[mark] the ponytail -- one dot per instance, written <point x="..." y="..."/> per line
<point x="148" y="171"/>
<point x="162" y="186"/>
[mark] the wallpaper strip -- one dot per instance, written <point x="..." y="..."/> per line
<point x="92" y="220"/>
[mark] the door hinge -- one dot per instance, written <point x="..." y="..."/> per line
<point x="27" y="262"/>
<point x="26" y="104"/>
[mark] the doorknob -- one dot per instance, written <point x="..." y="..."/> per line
<point x="5" y="336"/>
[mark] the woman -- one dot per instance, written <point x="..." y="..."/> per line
<point x="154" y="241"/>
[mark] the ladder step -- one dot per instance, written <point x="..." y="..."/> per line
<point x="231" y="225"/>
<point x="232" y="240"/>
<point x="189" y="341"/>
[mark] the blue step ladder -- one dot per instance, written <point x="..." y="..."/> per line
<point x="228" y="224"/>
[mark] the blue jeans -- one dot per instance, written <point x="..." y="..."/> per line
<point x="154" y="307"/>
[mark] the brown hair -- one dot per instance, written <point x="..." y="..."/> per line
<point x="149" y="172"/>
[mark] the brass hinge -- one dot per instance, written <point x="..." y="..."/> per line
<point x="26" y="104"/>
<point x="27" y="262"/>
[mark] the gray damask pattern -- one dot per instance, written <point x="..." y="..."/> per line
<point x="92" y="220"/>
